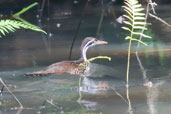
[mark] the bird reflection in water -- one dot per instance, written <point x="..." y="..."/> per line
<point x="94" y="87"/>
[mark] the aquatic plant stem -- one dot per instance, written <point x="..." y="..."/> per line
<point x="127" y="75"/>
<point x="79" y="86"/>
<point x="34" y="27"/>
<point x="25" y="9"/>
<point x="100" y="23"/>
<point x="128" y="68"/>
<point x="117" y="93"/>
<point x="94" y="58"/>
<point x="128" y="63"/>
<point x="101" y="20"/>
<point x="138" y="45"/>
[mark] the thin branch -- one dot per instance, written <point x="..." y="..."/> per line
<point x="120" y="96"/>
<point x="159" y="19"/>
<point x="138" y="45"/>
<point x="51" y="102"/>
<point x="3" y="83"/>
<point x="152" y="4"/>
<point x="101" y="19"/>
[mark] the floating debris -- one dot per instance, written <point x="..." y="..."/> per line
<point x="120" y="19"/>
<point x="148" y="84"/>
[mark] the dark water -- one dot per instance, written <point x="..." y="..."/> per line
<point x="104" y="92"/>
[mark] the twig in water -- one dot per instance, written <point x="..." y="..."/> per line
<point x="159" y="19"/>
<point x="120" y="96"/>
<point x="42" y="7"/>
<point x="152" y="4"/>
<point x="140" y="38"/>
<point x="51" y="102"/>
<point x="3" y="83"/>
<point x="101" y="20"/>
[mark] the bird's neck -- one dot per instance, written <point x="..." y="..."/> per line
<point x="83" y="53"/>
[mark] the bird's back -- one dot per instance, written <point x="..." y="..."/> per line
<point x="60" y="68"/>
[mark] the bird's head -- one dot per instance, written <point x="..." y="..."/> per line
<point x="90" y="42"/>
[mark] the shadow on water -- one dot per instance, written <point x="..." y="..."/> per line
<point x="103" y="91"/>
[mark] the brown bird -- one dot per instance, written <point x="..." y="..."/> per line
<point x="71" y="67"/>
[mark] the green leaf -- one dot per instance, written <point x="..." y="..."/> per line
<point x="129" y="13"/>
<point x="137" y="6"/>
<point x="139" y="18"/>
<point x="138" y="10"/>
<point x="139" y="14"/>
<point x="136" y="20"/>
<point x="128" y="9"/>
<point x="139" y="23"/>
<point x="7" y="26"/>
<point x="134" y="39"/>
<point x="128" y="23"/>
<point x="129" y="18"/>
<point x="94" y="58"/>
<point x="128" y="5"/>
<point x="140" y="27"/>
<point x="126" y="28"/>
<point x="2" y="31"/>
<point x="138" y="33"/>
<point x="134" y="2"/>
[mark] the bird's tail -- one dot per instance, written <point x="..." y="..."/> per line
<point x="38" y="73"/>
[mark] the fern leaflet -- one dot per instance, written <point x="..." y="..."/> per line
<point x="8" y="25"/>
<point x="135" y="20"/>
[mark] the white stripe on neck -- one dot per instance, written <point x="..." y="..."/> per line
<point x="85" y="50"/>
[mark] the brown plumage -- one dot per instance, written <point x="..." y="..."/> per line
<point x="70" y="67"/>
<point x="60" y="68"/>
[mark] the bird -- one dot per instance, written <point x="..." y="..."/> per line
<point x="70" y="67"/>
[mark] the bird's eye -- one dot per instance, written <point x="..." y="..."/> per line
<point x="90" y="43"/>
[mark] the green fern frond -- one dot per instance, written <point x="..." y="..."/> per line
<point x="8" y="25"/>
<point x="94" y="58"/>
<point x="135" y="20"/>
<point x="134" y="39"/>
